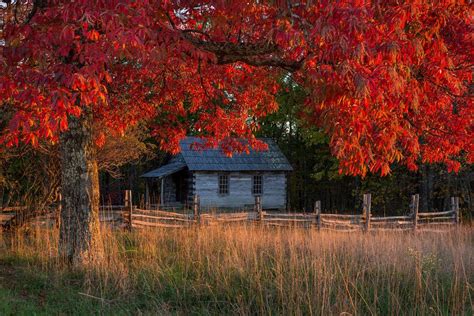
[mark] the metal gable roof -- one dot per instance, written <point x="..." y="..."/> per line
<point x="214" y="159"/>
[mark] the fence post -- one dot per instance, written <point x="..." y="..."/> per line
<point x="196" y="209"/>
<point x="415" y="204"/>
<point x="455" y="208"/>
<point x="367" y="204"/>
<point x="258" y="208"/>
<point x="317" y="211"/>
<point x="129" y="208"/>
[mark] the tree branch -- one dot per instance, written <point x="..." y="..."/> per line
<point x="259" y="61"/>
<point x="263" y="53"/>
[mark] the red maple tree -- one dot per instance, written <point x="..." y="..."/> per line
<point x="389" y="81"/>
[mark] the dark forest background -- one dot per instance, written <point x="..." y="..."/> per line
<point x="31" y="176"/>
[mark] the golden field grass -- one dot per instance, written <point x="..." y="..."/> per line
<point x="244" y="270"/>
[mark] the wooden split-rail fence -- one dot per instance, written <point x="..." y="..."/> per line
<point x="17" y="216"/>
<point x="131" y="217"/>
<point x="140" y="218"/>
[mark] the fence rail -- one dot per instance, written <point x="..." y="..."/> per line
<point x="316" y="219"/>
<point x="130" y="217"/>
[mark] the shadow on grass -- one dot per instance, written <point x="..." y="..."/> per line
<point x="26" y="290"/>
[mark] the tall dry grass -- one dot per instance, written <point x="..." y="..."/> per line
<point x="248" y="270"/>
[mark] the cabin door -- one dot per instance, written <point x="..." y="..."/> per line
<point x="181" y="186"/>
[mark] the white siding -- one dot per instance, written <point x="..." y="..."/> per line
<point x="240" y="190"/>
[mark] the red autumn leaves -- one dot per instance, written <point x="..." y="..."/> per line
<point x="389" y="82"/>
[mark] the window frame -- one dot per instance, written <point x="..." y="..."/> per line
<point x="255" y="184"/>
<point x="223" y="184"/>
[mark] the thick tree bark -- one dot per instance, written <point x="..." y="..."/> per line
<point x="79" y="240"/>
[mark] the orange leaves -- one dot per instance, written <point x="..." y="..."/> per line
<point x="453" y="166"/>
<point x="93" y="35"/>
<point x="63" y="124"/>
<point x="100" y="140"/>
<point x="79" y="82"/>
<point x="31" y="138"/>
<point x="387" y="81"/>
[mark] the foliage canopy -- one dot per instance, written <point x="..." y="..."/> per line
<point x="388" y="81"/>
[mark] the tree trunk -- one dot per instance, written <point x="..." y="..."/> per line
<point x="79" y="240"/>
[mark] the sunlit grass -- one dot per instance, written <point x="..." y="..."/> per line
<point x="247" y="270"/>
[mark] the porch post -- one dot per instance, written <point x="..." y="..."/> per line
<point x="162" y="192"/>
<point x="147" y="195"/>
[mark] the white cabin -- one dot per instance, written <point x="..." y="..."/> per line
<point x="221" y="181"/>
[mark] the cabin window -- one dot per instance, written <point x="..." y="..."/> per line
<point x="257" y="187"/>
<point x="223" y="184"/>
